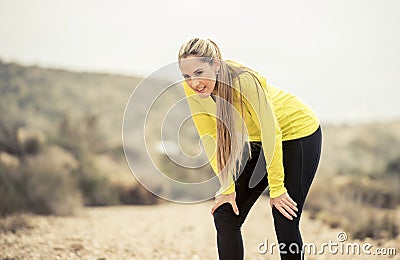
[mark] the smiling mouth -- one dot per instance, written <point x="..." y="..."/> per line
<point x="201" y="90"/>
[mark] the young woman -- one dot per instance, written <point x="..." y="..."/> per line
<point x="255" y="136"/>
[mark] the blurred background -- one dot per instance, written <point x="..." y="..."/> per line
<point x="67" y="69"/>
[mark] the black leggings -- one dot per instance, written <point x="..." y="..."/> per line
<point x="300" y="160"/>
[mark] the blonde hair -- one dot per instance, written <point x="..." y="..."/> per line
<point x="231" y="142"/>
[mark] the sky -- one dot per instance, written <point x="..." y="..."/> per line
<point x="342" y="57"/>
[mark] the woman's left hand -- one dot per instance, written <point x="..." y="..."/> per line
<point x="285" y="204"/>
<point x="225" y="198"/>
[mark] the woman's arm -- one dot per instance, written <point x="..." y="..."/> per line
<point x="262" y="112"/>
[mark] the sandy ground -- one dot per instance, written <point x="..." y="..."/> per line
<point x="166" y="231"/>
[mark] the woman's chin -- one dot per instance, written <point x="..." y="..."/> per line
<point x="203" y="95"/>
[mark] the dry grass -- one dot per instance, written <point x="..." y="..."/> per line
<point x="15" y="223"/>
<point x="54" y="182"/>
<point x="43" y="184"/>
<point x="364" y="207"/>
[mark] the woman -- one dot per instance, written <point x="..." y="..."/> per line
<point x="240" y="117"/>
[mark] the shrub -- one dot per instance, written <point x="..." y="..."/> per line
<point x="14" y="223"/>
<point x="393" y="167"/>
<point x="12" y="194"/>
<point x="136" y="195"/>
<point x="43" y="184"/>
<point x="364" y="207"/>
<point x="50" y="186"/>
<point x="96" y="188"/>
<point x="373" y="222"/>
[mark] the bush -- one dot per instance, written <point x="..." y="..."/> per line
<point x="61" y="176"/>
<point x="43" y="184"/>
<point x="96" y="188"/>
<point x="364" y="207"/>
<point x="14" y="223"/>
<point x="373" y="223"/>
<point x="136" y="195"/>
<point x="393" y="167"/>
<point x="12" y="193"/>
<point x="51" y="190"/>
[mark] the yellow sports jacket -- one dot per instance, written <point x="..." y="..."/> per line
<point x="271" y="116"/>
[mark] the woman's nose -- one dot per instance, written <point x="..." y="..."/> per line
<point x="195" y="83"/>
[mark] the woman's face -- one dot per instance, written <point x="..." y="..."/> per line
<point x="199" y="75"/>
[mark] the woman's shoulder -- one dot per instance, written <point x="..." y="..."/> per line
<point x="247" y="79"/>
<point x="250" y="80"/>
<point x="244" y="71"/>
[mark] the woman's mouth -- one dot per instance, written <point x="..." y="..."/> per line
<point x="201" y="90"/>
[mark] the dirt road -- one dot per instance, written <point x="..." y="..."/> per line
<point x="166" y="231"/>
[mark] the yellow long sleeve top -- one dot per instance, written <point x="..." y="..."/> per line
<point x="271" y="116"/>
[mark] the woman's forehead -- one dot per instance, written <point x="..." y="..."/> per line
<point x="191" y="64"/>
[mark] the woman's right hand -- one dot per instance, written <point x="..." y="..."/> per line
<point x="285" y="204"/>
<point x="225" y="198"/>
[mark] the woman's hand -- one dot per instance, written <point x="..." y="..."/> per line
<point x="285" y="204"/>
<point x="224" y="198"/>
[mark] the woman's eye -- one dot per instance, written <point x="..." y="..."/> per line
<point x="186" y="76"/>
<point x="198" y="73"/>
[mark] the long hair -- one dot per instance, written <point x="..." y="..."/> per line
<point x="231" y="142"/>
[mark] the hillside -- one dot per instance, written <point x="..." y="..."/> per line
<point x="41" y="98"/>
<point x="369" y="148"/>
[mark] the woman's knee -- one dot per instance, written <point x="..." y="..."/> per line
<point x="285" y="227"/>
<point x="225" y="218"/>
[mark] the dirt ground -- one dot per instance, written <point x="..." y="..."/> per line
<point x="166" y="231"/>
